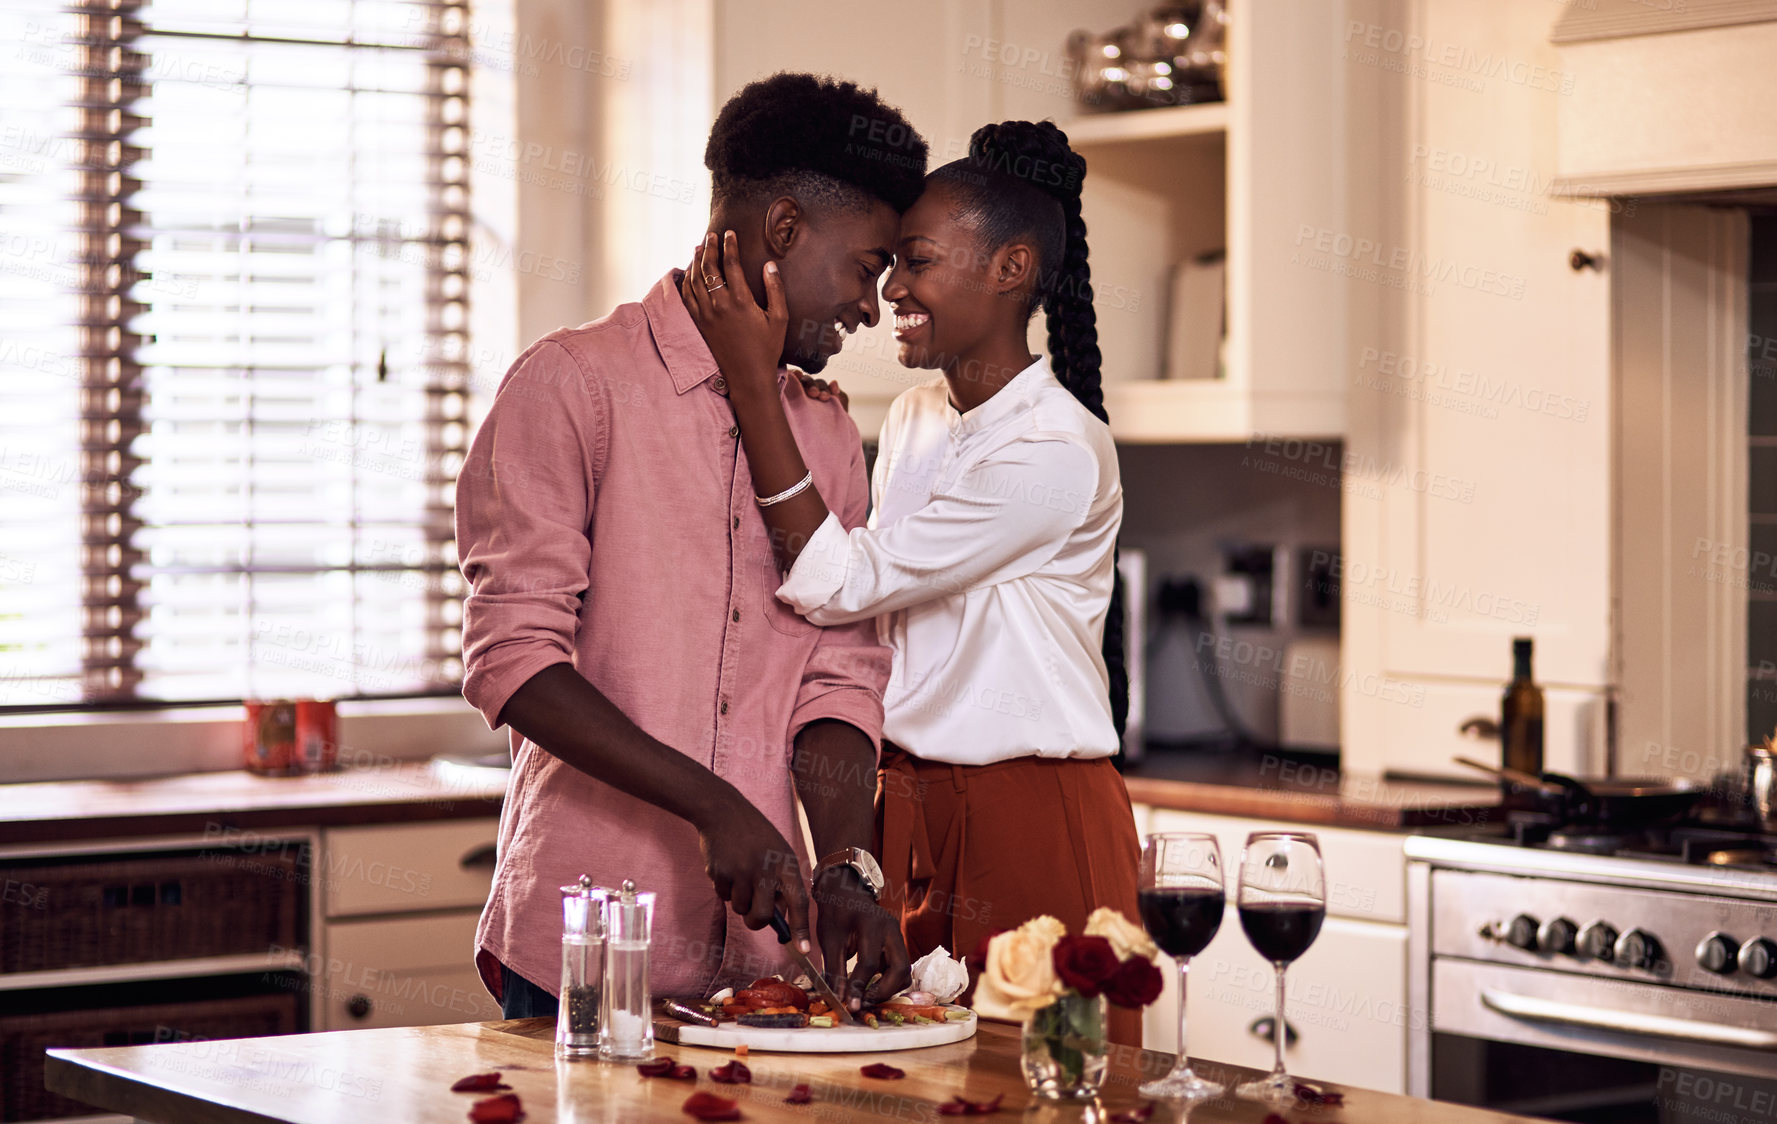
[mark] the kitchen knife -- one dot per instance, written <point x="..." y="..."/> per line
<point x="781" y="926"/>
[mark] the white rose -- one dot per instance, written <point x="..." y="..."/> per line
<point x="937" y="973"/>
<point x="1127" y="938"/>
<point x="1019" y="979"/>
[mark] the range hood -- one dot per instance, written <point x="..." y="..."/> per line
<point x="1668" y="98"/>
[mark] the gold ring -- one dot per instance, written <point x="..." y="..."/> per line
<point x="709" y="288"/>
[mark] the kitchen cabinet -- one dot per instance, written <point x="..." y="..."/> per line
<point x="1477" y="471"/>
<point x="401" y="903"/>
<point x="1348" y="993"/>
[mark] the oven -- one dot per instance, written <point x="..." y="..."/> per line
<point x="1591" y="988"/>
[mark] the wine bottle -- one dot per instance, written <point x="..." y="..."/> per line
<point x="1521" y="719"/>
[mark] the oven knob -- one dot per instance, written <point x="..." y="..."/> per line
<point x="1598" y="941"/>
<point x="1759" y="957"/>
<point x="1718" y="953"/>
<point x="1639" y="949"/>
<point x="1558" y="936"/>
<point x="1522" y="932"/>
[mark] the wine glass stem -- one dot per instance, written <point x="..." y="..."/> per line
<point x="1279" y="1032"/>
<point x="1184" y="971"/>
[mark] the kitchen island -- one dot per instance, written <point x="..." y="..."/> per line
<point x="405" y="1074"/>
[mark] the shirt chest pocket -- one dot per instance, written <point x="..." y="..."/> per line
<point x="780" y="616"/>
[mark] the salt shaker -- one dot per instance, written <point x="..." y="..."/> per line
<point x="582" y="969"/>
<point x="626" y="1023"/>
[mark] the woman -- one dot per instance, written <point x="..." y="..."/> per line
<point x="990" y="557"/>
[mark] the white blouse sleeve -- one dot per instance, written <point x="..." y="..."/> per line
<point x="1004" y="518"/>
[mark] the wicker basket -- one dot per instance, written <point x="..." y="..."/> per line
<point x="170" y="905"/>
<point x="23" y="1038"/>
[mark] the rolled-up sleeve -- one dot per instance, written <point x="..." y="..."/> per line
<point x="524" y="508"/>
<point x="1005" y="517"/>
<point x="845" y="677"/>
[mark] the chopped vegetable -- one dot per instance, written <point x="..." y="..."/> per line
<point x="962" y="1014"/>
<point x="882" y="1072"/>
<point x="820" y="1020"/>
<point x="479" y="1083"/>
<point x="502" y="1109"/>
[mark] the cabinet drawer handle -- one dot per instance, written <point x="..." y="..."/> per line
<point x="484" y="855"/>
<point x="358" y="1006"/>
<point x="1264" y="1028"/>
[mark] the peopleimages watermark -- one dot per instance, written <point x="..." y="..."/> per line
<point x="1455" y="64"/>
<point x="1369" y="260"/>
<point x="1436" y="382"/>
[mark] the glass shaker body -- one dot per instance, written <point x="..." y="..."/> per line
<point x="626" y="1023"/>
<point x="582" y="970"/>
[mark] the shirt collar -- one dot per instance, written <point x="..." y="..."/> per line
<point x="1011" y="398"/>
<point x="688" y="359"/>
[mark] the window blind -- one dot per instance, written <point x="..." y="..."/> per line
<point x="233" y="373"/>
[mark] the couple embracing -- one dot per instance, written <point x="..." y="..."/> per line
<point x="696" y="614"/>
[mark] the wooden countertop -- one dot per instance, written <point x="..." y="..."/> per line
<point x="405" y="1075"/>
<point x="65" y="810"/>
<point x="1305" y="791"/>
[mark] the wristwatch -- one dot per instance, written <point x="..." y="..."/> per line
<point x="859" y="860"/>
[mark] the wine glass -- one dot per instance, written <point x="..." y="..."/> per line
<point x="1282" y="901"/>
<point x="1181" y="900"/>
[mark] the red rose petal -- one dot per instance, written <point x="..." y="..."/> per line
<point x="659" y="1067"/>
<point x="683" y="1073"/>
<point x="799" y="1095"/>
<point x="1136" y="1115"/>
<point x="959" y="1106"/>
<point x="1273" y="1118"/>
<point x="502" y="1109"/>
<point x="734" y="1073"/>
<point x="479" y="1083"/>
<point x="708" y="1106"/>
<point x="1308" y="1094"/>
<point x="882" y="1072"/>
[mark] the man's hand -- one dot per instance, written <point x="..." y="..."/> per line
<point x="753" y="869"/>
<point x="823" y="391"/>
<point x="851" y="923"/>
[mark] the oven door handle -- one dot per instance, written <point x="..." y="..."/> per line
<point x="1531" y="1009"/>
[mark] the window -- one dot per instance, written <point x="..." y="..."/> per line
<point x="234" y="298"/>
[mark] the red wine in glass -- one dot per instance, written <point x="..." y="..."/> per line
<point x="1182" y="921"/>
<point x="1282" y="901"/>
<point x="1181" y="900"/>
<point x="1282" y="931"/>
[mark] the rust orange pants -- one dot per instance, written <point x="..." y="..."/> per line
<point x="969" y="850"/>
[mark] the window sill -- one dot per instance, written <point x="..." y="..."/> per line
<point x="90" y="745"/>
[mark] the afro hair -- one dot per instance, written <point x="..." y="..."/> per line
<point x="778" y="130"/>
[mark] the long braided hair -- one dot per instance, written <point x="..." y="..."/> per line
<point x="1021" y="180"/>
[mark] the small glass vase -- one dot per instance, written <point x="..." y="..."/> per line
<point x="1065" y="1048"/>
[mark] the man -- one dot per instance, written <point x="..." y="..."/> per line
<point x="622" y="618"/>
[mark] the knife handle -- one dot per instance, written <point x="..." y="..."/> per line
<point x="780" y="925"/>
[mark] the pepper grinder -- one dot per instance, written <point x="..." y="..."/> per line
<point x="582" y="969"/>
<point x="626" y="1025"/>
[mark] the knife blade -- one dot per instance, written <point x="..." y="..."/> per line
<point x="781" y="926"/>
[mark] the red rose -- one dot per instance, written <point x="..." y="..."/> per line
<point x="1135" y="984"/>
<point x="1085" y="964"/>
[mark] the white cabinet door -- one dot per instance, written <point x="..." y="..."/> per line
<point x="1347" y="1005"/>
<point x="1478" y="468"/>
<point x="404" y="971"/>
<point x="404" y="868"/>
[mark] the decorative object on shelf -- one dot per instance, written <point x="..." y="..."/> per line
<point x="1197" y="328"/>
<point x="1061" y="987"/>
<point x="1171" y="55"/>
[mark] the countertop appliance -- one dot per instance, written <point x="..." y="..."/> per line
<point x="1566" y="971"/>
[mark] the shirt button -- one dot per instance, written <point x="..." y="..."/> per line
<point x="737" y="616"/>
<point x="724" y="706"/>
<point x="720" y="384"/>
<point x="734" y="431"/>
<point x="737" y="522"/>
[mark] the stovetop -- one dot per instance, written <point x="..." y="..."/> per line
<point x="1717" y="843"/>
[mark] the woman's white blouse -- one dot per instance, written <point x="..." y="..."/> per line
<point x="988" y="562"/>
